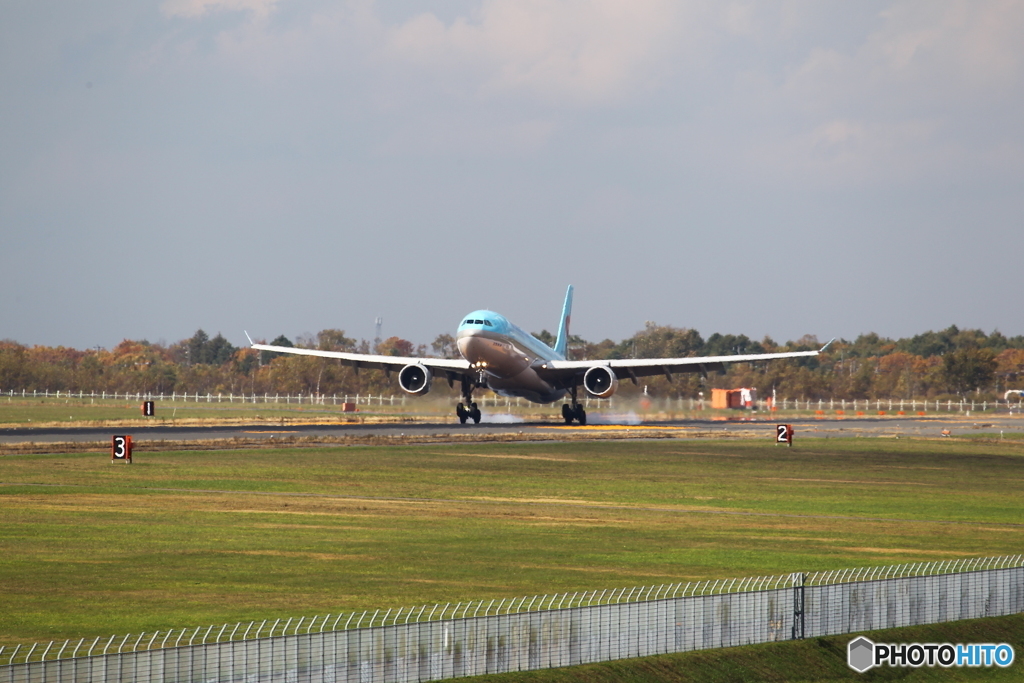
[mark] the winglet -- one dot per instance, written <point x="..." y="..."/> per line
<point x="822" y="349"/>
<point x="251" y="342"/>
<point x="562" y="340"/>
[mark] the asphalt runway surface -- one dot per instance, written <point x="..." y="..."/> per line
<point x="933" y="426"/>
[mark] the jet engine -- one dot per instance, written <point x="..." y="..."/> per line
<point x="415" y="379"/>
<point x="600" y="381"/>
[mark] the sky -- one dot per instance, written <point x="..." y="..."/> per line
<point x="285" y="166"/>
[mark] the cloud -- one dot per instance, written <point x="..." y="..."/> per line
<point x="924" y="54"/>
<point x="467" y="137"/>
<point x="921" y="95"/>
<point x="972" y="43"/>
<point x="795" y="92"/>
<point x="193" y="9"/>
<point x="560" y="51"/>
<point x="843" y="150"/>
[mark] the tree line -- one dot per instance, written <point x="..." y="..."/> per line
<point x="938" y="365"/>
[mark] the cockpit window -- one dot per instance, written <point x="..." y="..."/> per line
<point x="488" y="323"/>
<point x="468" y="322"/>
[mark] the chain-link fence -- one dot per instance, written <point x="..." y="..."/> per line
<point x="490" y="636"/>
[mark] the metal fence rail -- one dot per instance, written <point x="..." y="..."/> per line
<point x="435" y="642"/>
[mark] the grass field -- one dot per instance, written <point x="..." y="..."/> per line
<point x="189" y="538"/>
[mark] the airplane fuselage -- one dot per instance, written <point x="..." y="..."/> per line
<point x="506" y="356"/>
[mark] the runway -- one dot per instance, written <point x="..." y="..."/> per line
<point x="504" y="426"/>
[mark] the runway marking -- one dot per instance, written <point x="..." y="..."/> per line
<point x="284" y="431"/>
<point x="332" y="557"/>
<point x="513" y="457"/>
<point x="615" y="427"/>
<point x="848" y="481"/>
<point x="904" y="467"/>
<point x="887" y="551"/>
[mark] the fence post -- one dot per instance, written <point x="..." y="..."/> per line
<point x="798" y="606"/>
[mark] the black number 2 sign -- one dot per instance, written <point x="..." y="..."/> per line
<point x="784" y="434"/>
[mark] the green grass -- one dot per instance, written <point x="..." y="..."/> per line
<point x="815" y="659"/>
<point x="187" y="538"/>
<point x="992" y="435"/>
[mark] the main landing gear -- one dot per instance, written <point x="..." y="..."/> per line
<point x="470" y="413"/>
<point x="574" y="411"/>
<point x="467" y="410"/>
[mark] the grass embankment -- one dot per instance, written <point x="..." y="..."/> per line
<point x="88" y="548"/>
<point x="816" y="659"/>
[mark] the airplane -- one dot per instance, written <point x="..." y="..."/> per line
<point x="498" y="355"/>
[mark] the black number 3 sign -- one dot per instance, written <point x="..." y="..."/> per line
<point x="121" y="448"/>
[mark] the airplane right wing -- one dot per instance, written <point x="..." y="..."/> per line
<point x="367" y="360"/>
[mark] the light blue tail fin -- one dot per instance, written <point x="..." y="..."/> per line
<point x="562" y="341"/>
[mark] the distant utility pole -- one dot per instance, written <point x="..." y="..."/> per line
<point x="376" y="339"/>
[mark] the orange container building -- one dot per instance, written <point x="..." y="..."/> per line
<point x="744" y="397"/>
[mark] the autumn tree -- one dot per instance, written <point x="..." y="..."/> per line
<point x="584" y="350"/>
<point x="968" y="369"/>
<point x="444" y="346"/>
<point x="545" y="337"/>
<point x="396" y="346"/>
<point x="201" y="349"/>
<point x="730" y="345"/>
<point x="898" y="375"/>
<point x="334" y="340"/>
<point x="280" y="340"/>
<point x="1010" y="369"/>
<point x="13" y="365"/>
<point x="871" y="366"/>
<point x="139" y="366"/>
<point x="658" y="341"/>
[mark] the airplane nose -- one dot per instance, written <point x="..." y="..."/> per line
<point x="466" y="342"/>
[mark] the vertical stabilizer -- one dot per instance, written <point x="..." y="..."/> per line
<point x="562" y="341"/>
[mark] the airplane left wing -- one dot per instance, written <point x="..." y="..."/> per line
<point x="632" y="368"/>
